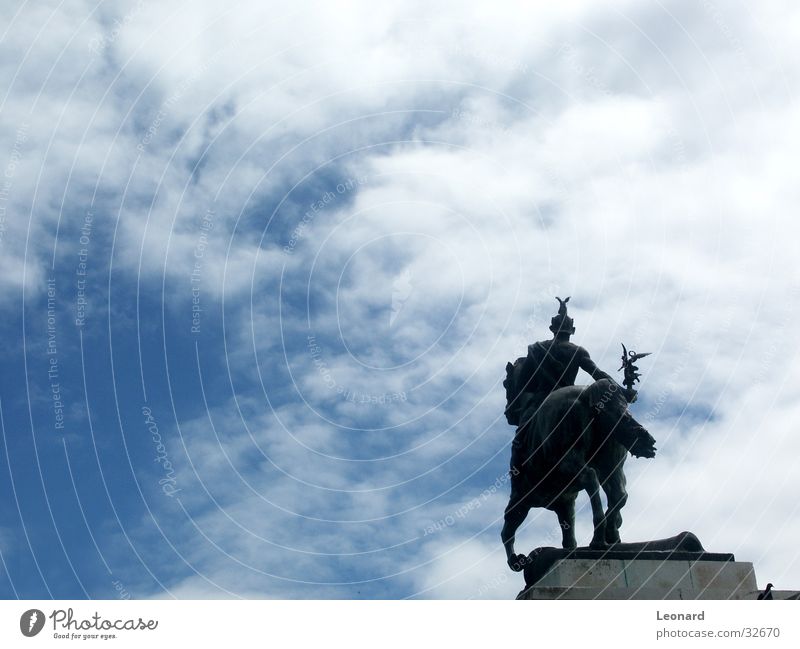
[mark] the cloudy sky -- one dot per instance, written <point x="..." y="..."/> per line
<point x="263" y="265"/>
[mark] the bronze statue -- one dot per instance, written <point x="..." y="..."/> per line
<point x="569" y="438"/>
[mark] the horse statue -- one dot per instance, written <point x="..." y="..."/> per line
<point x="569" y="438"/>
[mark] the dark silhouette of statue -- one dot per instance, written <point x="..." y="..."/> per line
<point x="569" y="438"/>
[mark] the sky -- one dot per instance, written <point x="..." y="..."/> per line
<point x="263" y="265"/>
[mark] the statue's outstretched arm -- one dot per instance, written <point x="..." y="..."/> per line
<point x="588" y="366"/>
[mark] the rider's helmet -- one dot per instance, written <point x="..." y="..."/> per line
<point x="562" y="323"/>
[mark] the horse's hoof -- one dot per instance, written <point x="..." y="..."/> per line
<point x="598" y="545"/>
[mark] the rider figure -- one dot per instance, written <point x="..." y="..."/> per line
<point x="554" y="364"/>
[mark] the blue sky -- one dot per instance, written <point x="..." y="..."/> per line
<point x="370" y="210"/>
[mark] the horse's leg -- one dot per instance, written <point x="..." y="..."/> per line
<point x="617" y="496"/>
<point x="565" y="510"/>
<point x="514" y="516"/>
<point x="589" y="481"/>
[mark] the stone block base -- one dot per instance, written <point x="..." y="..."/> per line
<point x="639" y="578"/>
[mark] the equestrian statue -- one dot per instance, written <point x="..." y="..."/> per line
<point x="569" y="438"/>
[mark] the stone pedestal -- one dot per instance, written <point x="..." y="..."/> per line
<point x="674" y="568"/>
<point x="645" y="578"/>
